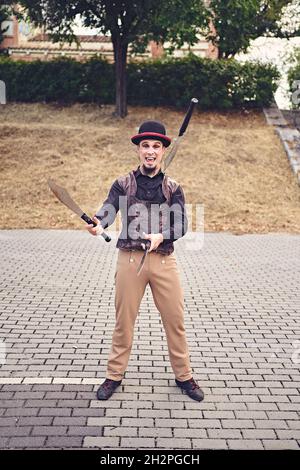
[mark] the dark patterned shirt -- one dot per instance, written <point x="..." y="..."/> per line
<point x="148" y="189"/>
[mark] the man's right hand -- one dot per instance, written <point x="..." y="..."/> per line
<point x="95" y="230"/>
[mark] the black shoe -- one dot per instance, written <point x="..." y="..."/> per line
<point x="191" y="388"/>
<point x="106" y="389"/>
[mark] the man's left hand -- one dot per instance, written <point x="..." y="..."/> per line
<point x="155" y="238"/>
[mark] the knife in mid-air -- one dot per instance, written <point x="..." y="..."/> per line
<point x="64" y="197"/>
<point x="182" y="130"/>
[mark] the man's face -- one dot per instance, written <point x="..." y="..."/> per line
<point x="150" y="153"/>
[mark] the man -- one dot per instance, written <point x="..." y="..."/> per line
<point x="136" y="195"/>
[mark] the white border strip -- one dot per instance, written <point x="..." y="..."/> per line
<point x="49" y="380"/>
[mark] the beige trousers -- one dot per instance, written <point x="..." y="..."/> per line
<point x="161" y="273"/>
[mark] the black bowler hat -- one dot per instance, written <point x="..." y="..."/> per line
<point x="152" y="130"/>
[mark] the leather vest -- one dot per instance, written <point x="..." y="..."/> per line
<point x="137" y="215"/>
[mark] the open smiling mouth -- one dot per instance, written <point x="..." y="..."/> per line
<point x="150" y="159"/>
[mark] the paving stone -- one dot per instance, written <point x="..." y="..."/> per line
<point x="209" y="444"/>
<point x="191" y="433"/>
<point x="13" y="431"/>
<point x="259" y="434"/>
<point x="26" y="442"/>
<point x="241" y="314"/>
<point x="175" y="443"/>
<point x="224" y="433"/>
<point x="121" y="431"/>
<point x="63" y="442"/>
<point x="128" y="412"/>
<point x="237" y="423"/>
<point x="245" y="444"/>
<point x="49" y="430"/>
<point x="101" y="442"/>
<point x="85" y="430"/>
<point x="137" y="442"/>
<point x="282" y="444"/>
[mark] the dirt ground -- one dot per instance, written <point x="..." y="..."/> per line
<point x="232" y="163"/>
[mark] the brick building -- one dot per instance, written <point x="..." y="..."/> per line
<point x="27" y="43"/>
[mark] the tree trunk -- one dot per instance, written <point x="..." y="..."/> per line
<point x="120" y="54"/>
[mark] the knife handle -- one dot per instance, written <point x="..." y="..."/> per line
<point x="146" y="243"/>
<point x="89" y="221"/>
<point x="188" y="116"/>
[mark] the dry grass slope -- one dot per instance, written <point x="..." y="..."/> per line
<point x="233" y="163"/>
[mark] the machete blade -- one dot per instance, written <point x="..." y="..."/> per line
<point x="172" y="152"/>
<point x="64" y="197"/>
<point x="182" y="130"/>
<point x="142" y="262"/>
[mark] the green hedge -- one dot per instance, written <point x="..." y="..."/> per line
<point x="61" y="80"/>
<point x="219" y="84"/>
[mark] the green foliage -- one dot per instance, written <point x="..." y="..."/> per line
<point x="223" y="84"/>
<point x="294" y="79"/>
<point x="133" y="22"/>
<point x="237" y="22"/>
<point x="127" y="22"/>
<point x="4" y="15"/>
<point x="62" y="80"/>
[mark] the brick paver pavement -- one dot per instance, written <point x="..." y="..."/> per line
<point x="242" y="320"/>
